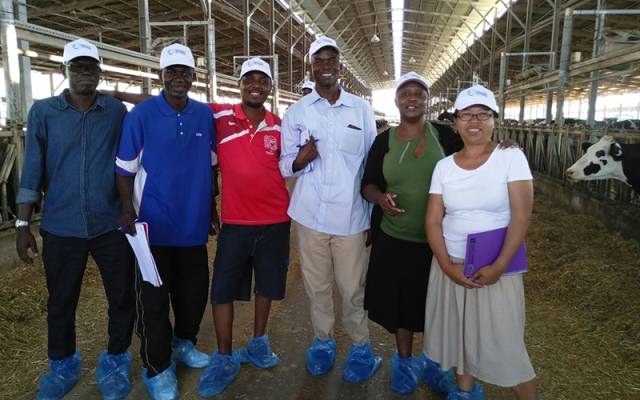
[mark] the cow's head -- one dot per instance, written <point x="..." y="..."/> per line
<point x="601" y="161"/>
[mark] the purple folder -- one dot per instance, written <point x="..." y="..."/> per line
<point x="483" y="249"/>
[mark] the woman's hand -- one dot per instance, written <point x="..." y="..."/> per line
<point x="388" y="205"/>
<point x="488" y="275"/>
<point x="456" y="273"/>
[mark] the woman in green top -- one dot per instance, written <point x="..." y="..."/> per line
<point x="396" y="179"/>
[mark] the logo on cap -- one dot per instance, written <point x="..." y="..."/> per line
<point x="80" y="46"/>
<point x="176" y="51"/>
<point x="476" y="93"/>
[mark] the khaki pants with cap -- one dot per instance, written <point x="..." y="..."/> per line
<point x="325" y="258"/>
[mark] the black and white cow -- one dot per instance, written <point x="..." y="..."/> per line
<point x="627" y="124"/>
<point x="608" y="159"/>
<point x="445" y="116"/>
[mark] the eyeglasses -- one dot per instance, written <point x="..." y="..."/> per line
<point x="184" y="73"/>
<point x="481" y="116"/>
<point x="77" y="68"/>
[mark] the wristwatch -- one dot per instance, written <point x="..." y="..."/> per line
<point x="20" y="223"/>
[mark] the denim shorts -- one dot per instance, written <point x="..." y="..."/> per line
<point x="245" y="250"/>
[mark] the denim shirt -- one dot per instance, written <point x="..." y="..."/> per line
<point x="70" y="155"/>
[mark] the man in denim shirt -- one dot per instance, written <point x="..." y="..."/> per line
<point x="71" y="143"/>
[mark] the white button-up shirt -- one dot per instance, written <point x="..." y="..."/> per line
<point x="326" y="197"/>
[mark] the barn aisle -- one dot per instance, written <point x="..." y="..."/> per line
<point x="583" y="326"/>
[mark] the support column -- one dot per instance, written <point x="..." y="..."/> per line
<point x="145" y="39"/>
<point x="493" y="50"/>
<point x="275" y="100"/>
<point x="504" y="62"/>
<point x="211" y="60"/>
<point x="25" y="65"/>
<point x="525" y="58"/>
<point x="507" y="49"/>
<point x="246" y="18"/>
<point x="555" y="31"/>
<point x="304" y="49"/>
<point x="185" y="35"/>
<point x="289" y="46"/>
<point x="11" y="66"/>
<point x="481" y="62"/>
<point x="595" y="75"/>
<point x="565" y="52"/>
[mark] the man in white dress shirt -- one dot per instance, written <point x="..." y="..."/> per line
<point x="325" y="139"/>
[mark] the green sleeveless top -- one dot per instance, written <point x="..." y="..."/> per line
<point x="410" y="178"/>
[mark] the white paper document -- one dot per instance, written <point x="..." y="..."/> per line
<point x="140" y="245"/>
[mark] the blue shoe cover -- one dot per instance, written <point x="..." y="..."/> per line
<point x="361" y="363"/>
<point x="61" y="378"/>
<point x="405" y="374"/>
<point x="185" y="353"/>
<point x="258" y="352"/>
<point x="222" y="370"/>
<point x="112" y="375"/>
<point x="435" y="378"/>
<point x="321" y="356"/>
<point x="476" y="394"/>
<point x="163" y="386"/>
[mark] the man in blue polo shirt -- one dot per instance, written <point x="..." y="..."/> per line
<point x="165" y="179"/>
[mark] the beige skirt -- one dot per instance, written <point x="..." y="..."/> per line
<point x="480" y="331"/>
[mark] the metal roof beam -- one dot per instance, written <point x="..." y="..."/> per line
<point x="484" y="18"/>
<point x="513" y="14"/>
<point x="345" y="29"/>
<point x="477" y="38"/>
<point x="39" y="12"/>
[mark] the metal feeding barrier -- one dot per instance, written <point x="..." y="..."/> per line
<point x="552" y="149"/>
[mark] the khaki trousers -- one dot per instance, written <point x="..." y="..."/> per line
<point x="323" y="259"/>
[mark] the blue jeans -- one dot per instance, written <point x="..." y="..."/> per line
<point x="65" y="260"/>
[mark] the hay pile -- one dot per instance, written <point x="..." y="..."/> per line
<point x="23" y="328"/>
<point x="584" y="290"/>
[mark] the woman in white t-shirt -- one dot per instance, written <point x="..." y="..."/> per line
<point x="476" y="324"/>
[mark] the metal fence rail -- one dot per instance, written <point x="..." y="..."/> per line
<point x="552" y="149"/>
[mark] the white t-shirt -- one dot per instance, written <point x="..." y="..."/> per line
<point x="477" y="200"/>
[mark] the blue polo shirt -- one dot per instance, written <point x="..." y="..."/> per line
<point x="170" y="153"/>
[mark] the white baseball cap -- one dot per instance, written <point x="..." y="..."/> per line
<point x="476" y="95"/>
<point x="255" y="64"/>
<point x="308" y="85"/>
<point x="176" y="54"/>
<point x="412" y="77"/>
<point x="321" y="42"/>
<point x="79" y="48"/>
